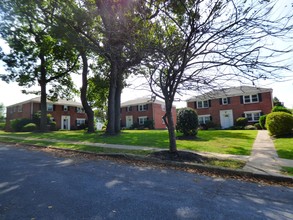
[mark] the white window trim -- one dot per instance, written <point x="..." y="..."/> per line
<point x="20" y="108"/>
<point x="65" y="108"/>
<point x="252" y="112"/>
<point x="202" y="104"/>
<point x="49" y="110"/>
<point x="204" y="116"/>
<point x="79" y="110"/>
<point x="128" y="108"/>
<point x="250" y="99"/>
<point x="141" y="117"/>
<point x="141" y="107"/>
<point x="226" y="99"/>
<point x="80" y="119"/>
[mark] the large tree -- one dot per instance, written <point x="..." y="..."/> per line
<point x="36" y="55"/>
<point x="209" y="44"/>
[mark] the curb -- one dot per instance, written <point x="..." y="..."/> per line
<point x="199" y="168"/>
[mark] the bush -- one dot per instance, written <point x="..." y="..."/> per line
<point x="281" y="109"/>
<point x="53" y="126"/>
<point x="279" y="123"/>
<point x="262" y="121"/>
<point x="250" y="127"/>
<point x="29" y="127"/>
<point x="257" y="126"/>
<point x="187" y="122"/>
<point x="149" y="124"/>
<point x="210" y="126"/>
<point x="241" y="122"/>
<point x="18" y="124"/>
<point x="2" y="125"/>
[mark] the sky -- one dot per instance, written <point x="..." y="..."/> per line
<point x="283" y="89"/>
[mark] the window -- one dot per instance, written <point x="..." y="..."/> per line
<point x="49" y="107"/>
<point x="252" y="116"/>
<point x="142" y="120"/>
<point x="250" y="99"/>
<point x="163" y="107"/>
<point x="19" y="108"/>
<point x="203" y="119"/>
<point x="79" y="110"/>
<point x="65" y="108"/>
<point x="129" y="108"/>
<point x="203" y="104"/>
<point x="142" y="108"/>
<point x="225" y="101"/>
<point x="80" y="121"/>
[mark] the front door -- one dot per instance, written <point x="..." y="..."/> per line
<point x="65" y="122"/>
<point x="129" y="121"/>
<point x="226" y="117"/>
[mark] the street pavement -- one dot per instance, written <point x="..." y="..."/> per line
<point x="39" y="185"/>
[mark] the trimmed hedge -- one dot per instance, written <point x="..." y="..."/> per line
<point x="18" y="124"/>
<point x="279" y="123"/>
<point x="242" y="122"/>
<point x="262" y="121"/>
<point x="281" y="109"/>
<point x="29" y="127"/>
<point x="187" y="122"/>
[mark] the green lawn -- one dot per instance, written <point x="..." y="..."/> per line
<point x="237" y="142"/>
<point x="284" y="147"/>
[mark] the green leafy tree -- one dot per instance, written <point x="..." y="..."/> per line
<point x="187" y="122"/>
<point x="203" y="45"/>
<point x="38" y="55"/>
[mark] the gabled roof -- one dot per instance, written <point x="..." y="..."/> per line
<point x="230" y="92"/>
<point x="141" y="101"/>
<point x="59" y="102"/>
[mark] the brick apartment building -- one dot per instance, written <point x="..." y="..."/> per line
<point x="68" y="115"/>
<point x="144" y="109"/>
<point x="224" y="106"/>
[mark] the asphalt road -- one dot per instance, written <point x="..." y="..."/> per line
<point x="37" y="185"/>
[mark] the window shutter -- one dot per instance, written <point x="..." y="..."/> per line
<point x="241" y="99"/>
<point x="229" y="100"/>
<point x="261" y="113"/>
<point x="76" y="122"/>
<point x="210" y="103"/>
<point x="259" y="97"/>
<point x="68" y="108"/>
<point x="220" y="101"/>
<point x="147" y="107"/>
<point x="211" y="118"/>
<point x="54" y="107"/>
<point x="75" y="109"/>
<point x="138" y="108"/>
<point x="62" y="107"/>
<point x="243" y="115"/>
<point x="195" y="105"/>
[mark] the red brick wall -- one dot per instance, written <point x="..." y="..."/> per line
<point x="265" y="106"/>
<point x="56" y="114"/>
<point x="154" y="113"/>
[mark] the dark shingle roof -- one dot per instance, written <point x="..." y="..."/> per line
<point x="229" y="92"/>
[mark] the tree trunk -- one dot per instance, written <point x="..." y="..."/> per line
<point x="83" y="94"/>
<point x="43" y="120"/>
<point x="171" y="127"/>
<point x="111" y="100"/>
<point x="118" y="103"/>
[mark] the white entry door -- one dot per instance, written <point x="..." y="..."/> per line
<point x="226" y="117"/>
<point x="129" y="121"/>
<point x="65" y="122"/>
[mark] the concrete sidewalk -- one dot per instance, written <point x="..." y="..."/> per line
<point x="264" y="158"/>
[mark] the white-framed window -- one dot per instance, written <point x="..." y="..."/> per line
<point x="65" y="108"/>
<point x="163" y="106"/>
<point x="142" y="120"/>
<point x="80" y="121"/>
<point x="252" y="116"/>
<point x="129" y="108"/>
<point x="19" y="108"/>
<point x="225" y="101"/>
<point x="142" y="108"/>
<point x="203" y="119"/>
<point x="79" y="110"/>
<point x="49" y="107"/>
<point x="202" y="104"/>
<point x="250" y="99"/>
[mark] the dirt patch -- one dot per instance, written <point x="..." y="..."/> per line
<point x="179" y="156"/>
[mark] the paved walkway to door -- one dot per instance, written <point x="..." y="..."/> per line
<point x="264" y="158"/>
